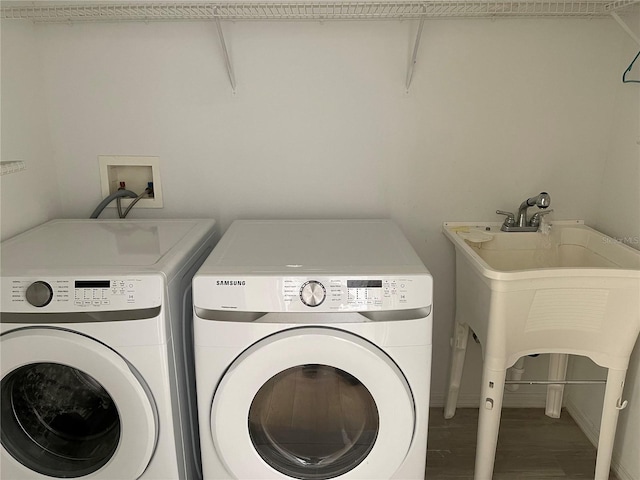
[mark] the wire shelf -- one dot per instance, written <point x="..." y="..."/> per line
<point x="344" y="10"/>
<point x="622" y="4"/>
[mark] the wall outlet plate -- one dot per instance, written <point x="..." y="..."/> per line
<point x="136" y="172"/>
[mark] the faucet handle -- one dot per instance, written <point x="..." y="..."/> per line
<point x="510" y="220"/>
<point x="535" y="220"/>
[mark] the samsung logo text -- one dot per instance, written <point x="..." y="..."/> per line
<point x="240" y="283"/>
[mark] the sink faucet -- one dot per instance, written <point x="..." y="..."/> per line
<point x="520" y="223"/>
<point x="543" y="201"/>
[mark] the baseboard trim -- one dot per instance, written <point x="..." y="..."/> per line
<point x="592" y="432"/>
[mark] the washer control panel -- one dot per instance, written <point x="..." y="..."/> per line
<point x="80" y="294"/>
<point x="306" y="294"/>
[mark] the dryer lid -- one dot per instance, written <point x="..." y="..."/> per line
<point x="299" y="247"/>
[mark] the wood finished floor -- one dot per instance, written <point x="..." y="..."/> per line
<point x="531" y="446"/>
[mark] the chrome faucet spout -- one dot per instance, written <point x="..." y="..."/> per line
<point x="519" y="222"/>
<point x="543" y="200"/>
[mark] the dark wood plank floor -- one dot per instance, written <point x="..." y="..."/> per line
<point x="531" y="446"/>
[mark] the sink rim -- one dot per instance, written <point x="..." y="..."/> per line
<point x="488" y="271"/>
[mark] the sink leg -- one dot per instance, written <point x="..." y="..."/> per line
<point x="610" y="409"/>
<point x="557" y="371"/>
<point x="489" y="422"/>
<point x="458" y="351"/>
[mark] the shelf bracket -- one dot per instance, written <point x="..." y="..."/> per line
<point x="414" y="57"/>
<point x="625" y="27"/>
<point x="225" y="52"/>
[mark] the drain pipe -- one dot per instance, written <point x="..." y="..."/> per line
<point x="515" y="373"/>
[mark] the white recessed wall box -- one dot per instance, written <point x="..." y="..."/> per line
<point x="136" y="172"/>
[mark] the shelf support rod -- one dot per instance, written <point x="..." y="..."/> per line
<point x="555" y="382"/>
<point x="414" y="57"/>
<point x="232" y="77"/>
<point x="625" y="27"/>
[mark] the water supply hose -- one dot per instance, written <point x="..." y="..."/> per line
<point x="111" y="198"/>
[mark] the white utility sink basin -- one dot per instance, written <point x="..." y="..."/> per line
<point x="569" y="245"/>
<point x="573" y="291"/>
<point x="572" y="281"/>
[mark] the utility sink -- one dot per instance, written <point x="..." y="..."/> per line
<point x="568" y="246"/>
<point x="572" y="280"/>
<point x="570" y="291"/>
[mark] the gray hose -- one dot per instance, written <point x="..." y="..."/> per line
<point x="111" y="198"/>
<point x="135" y="200"/>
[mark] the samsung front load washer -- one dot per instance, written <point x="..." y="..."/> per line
<point x="313" y="352"/>
<point x="97" y="381"/>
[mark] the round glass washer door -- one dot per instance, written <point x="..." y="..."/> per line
<point x="71" y="408"/>
<point x="313" y="403"/>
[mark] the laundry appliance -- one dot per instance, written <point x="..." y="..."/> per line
<point x="96" y="352"/>
<point x="313" y="352"/>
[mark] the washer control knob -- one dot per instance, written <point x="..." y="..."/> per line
<point x="39" y="294"/>
<point x="312" y="293"/>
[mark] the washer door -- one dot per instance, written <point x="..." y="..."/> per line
<point x="313" y="403"/>
<point x="71" y="407"/>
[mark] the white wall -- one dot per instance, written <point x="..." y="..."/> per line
<point x="29" y="197"/>
<point x="619" y="216"/>
<point x="321" y="125"/>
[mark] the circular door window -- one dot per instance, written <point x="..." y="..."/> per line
<point x="71" y="407"/>
<point x="58" y="420"/>
<point x="313" y="421"/>
<point x="313" y="403"/>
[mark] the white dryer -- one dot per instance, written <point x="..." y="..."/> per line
<point x="313" y="352"/>
<point x="95" y="349"/>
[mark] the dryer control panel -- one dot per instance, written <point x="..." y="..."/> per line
<point x="354" y="294"/>
<point x="305" y="294"/>
<point x="78" y="294"/>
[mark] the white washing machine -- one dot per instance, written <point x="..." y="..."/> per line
<point x="96" y="322"/>
<point x="313" y="352"/>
